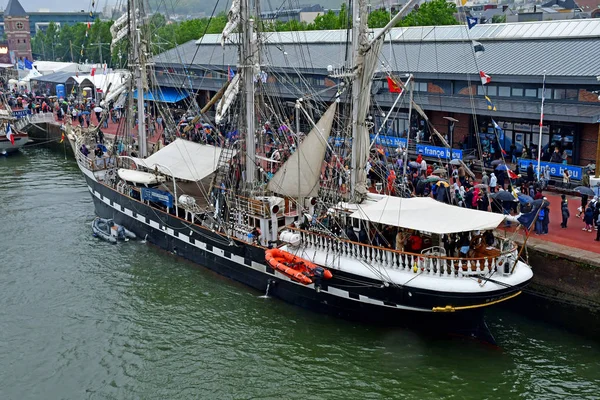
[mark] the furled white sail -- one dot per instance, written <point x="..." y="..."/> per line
<point x="299" y="175"/>
<point x="118" y="24"/>
<point x="119" y="29"/>
<point x="228" y="97"/>
<point x="233" y="19"/>
<point x="361" y="140"/>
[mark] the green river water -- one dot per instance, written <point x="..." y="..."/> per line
<point x="84" y="319"/>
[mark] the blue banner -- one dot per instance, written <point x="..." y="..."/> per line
<point x="395" y="142"/>
<point x="21" y="113"/>
<point x="439" y="152"/>
<point x="389" y="141"/>
<point x="338" y="141"/>
<point x="556" y="170"/>
<point x="158" y="196"/>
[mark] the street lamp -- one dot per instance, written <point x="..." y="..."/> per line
<point x="453" y="121"/>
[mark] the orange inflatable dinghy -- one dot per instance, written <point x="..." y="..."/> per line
<point x="298" y="269"/>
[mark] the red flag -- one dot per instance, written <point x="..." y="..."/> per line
<point x="485" y="78"/>
<point x="93" y="71"/>
<point x="89" y="25"/>
<point x="393" y="86"/>
<point x="512" y="175"/>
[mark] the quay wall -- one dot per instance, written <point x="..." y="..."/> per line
<point x="565" y="291"/>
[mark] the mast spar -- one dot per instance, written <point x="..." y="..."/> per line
<point x="139" y="55"/>
<point x="248" y="63"/>
<point x="365" y="55"/>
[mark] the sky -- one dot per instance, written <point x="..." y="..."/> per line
<point x="56" y="5"/>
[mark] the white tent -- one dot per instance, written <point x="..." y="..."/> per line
<point x="102" y="81"/>
<point x="426" y="215"/>
<point x="184" y="160"/>
<point x="50" y="67"/>
<point x="33" y="73"/>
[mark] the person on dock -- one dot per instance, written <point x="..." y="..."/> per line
<point x="546" y="219"/>
<point x="588" y="218"/>
<point x="564" y="208"/>
<point x="538" y="221"/>
<point x="493" y="182"/>
<point x="530" y="173"/>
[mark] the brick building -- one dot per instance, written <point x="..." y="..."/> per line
<point x="17" y="30"/>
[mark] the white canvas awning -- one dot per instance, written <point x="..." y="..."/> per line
<point x="184" y="160"/>
<point x="426" y="215"/>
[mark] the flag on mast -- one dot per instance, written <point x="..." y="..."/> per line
<point x="500" y="130"/>
<point x="9" y="134"/>
<point x="471" y="22"/>
<point x="490" y="105"/>
<point x="393" y="87"/>
<point x="477" y="48"/>
<point x="543" y="98"/>
<point x="485" y="78"/>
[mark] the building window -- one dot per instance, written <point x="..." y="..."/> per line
<point x="517" y="92"/>
<point x="572" y="94"/>
<point x="531" y="92"/>
<point x="504" y="91"/>
<point x="559" y="94"/>
<point x="489" y="90"/>
<point x="420" y="86"/>
<point x="541" y="91"/>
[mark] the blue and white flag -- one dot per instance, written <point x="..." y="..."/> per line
<point x="471" y="22"/>
<point x="28" y="64"/>
<point x="500" y="130"/>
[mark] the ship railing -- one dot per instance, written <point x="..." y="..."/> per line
<point x="252" y="207"/>
<point x="96" y="163"/>
<point x="429" y="264"/>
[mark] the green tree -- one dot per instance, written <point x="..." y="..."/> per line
<point x="379" y="18"/>
<point x="498" y="19"/>
<point x="431" y="13"/>
<point x="325" y="21"/>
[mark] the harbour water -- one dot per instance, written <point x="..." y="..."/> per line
<point x="85" y="319"/>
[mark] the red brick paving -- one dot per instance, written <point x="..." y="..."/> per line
<point x="572" y="236"/>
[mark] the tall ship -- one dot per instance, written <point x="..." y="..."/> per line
<point x="277" y="223"/>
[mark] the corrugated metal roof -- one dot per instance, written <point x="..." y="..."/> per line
<point x="575" y="57"/>
<point x="581" y="28"/>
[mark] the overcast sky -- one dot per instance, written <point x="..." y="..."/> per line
<point x="57" y="5"/>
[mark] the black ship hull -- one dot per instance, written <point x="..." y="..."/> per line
<point x="346" y="295"/>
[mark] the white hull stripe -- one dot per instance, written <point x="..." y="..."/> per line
<point x="333" y="291"/>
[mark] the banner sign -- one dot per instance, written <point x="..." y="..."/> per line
<point x="439" y="152"/>
<point x="158" y="196"/>
<point x="21" y="113"/>
<point x="389" y="141"/>
<point x="557" y="170"/>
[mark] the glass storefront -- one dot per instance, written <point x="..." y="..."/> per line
<point x="526" y="135"/>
